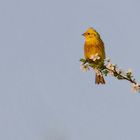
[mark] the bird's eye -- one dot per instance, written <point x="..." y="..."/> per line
<point x="88" y="33"/>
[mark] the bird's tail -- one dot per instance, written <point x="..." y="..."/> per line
<point x="99" y="79"/>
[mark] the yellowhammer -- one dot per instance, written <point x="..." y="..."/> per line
<point x="94" y="50"/>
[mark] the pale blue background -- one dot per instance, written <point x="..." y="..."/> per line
<point x="43" y="93"/>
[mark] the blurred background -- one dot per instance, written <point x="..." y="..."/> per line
<point x="43" y="93"/>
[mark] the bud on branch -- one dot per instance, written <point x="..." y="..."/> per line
<point x="109" y="69"/>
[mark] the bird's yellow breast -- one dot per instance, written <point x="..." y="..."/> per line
<point x="93" y="47"/>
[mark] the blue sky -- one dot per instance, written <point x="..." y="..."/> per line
<point x="44" y="95"/>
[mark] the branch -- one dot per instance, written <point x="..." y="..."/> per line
<point x="109" y="68"/>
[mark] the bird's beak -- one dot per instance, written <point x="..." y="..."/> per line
<point x="83" y="34"/>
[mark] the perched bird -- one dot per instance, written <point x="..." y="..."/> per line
<point x="94" y="48"/>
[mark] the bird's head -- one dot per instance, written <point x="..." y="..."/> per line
<point x="91" y="34"/>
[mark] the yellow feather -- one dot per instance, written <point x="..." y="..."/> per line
<point x="94" y="45"/>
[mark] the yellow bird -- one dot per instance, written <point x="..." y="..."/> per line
<point x="94" y="46"/>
